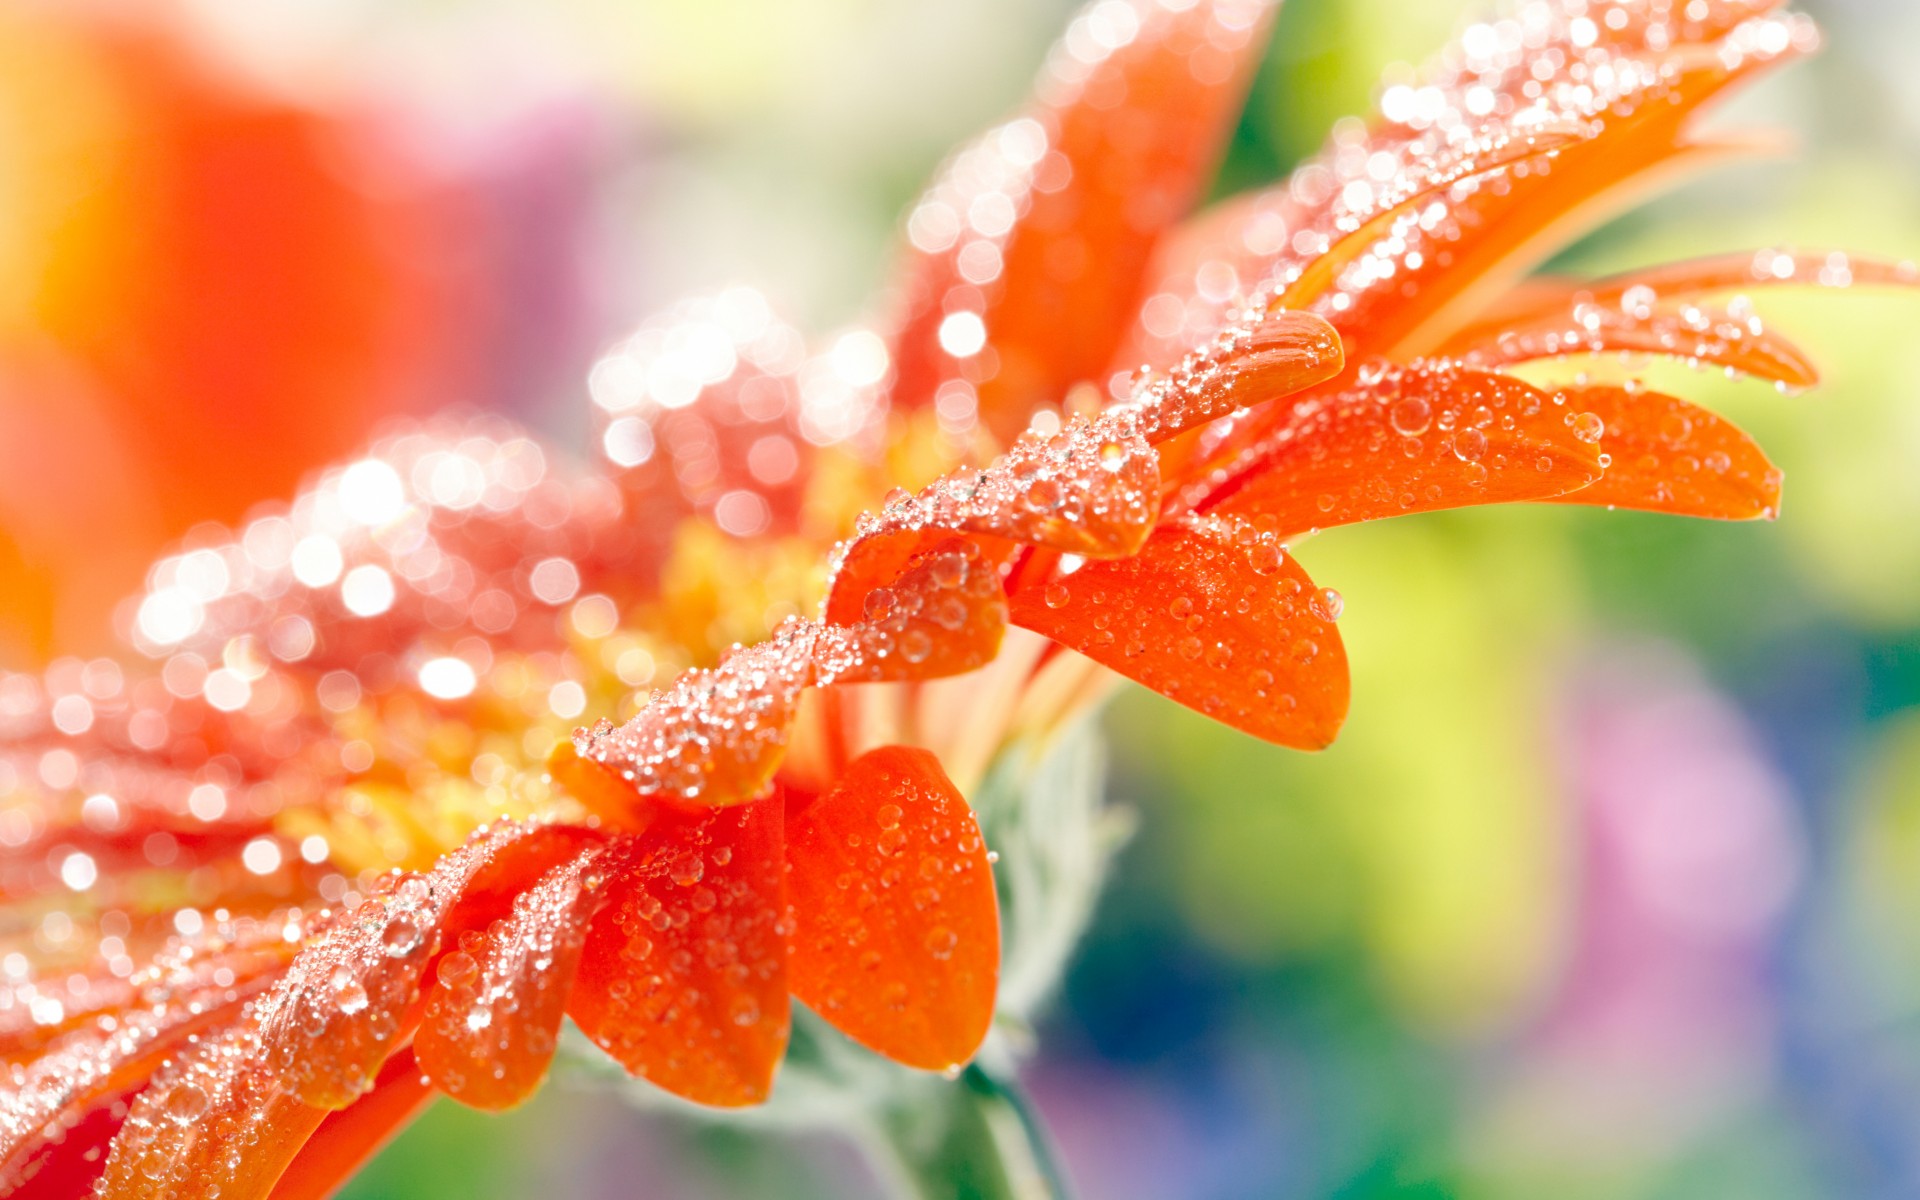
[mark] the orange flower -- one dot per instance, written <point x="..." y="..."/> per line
<point x="338" y="852"/>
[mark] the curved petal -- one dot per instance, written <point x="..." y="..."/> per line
<point x="346" y="1139"/>
<point x="1728" y="337"/>
<point x="217" y="1121"/>
<point x="1670" y="456"/>
<point x="684" y="977"/>
<point x="1690" y="279"/>
<point x="1243" y="246"/>
<point x="1443" y="269"/>
<point x="349" y="997"/>
<point x="716" y="736"/>
<point x="1412" y="439"/>
<point x="896" y="929"/>
<point x="1038" y="234"/>
<point x="942" y="615"/>
<point x="1213" y="614"/>
<point x="492" y="1020"/>
<point x="92" y="1065"/>
<point x="1093" y="489"/>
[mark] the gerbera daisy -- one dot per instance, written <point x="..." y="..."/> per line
<point x="339" y="846"/>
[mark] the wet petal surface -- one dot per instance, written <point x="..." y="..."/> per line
<point x="1674" y="457"/>
<point x="896" y="929"/>
<point x="1216" y="615"/>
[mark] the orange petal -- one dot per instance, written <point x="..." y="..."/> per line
<point x="1674" y="457"/>
<point x="1490" y="237"/>
<point x="944" y="614"/>
<point x="1414" y="439"/>
<point x="684" y="979"/>
<point x="92" y="1064"/>
<point x="1213" y="614"/>
<point x="348" y="1138"/>
<point x="1242" y="247"/>
<point x="716" y="736"/>
<point x="217" y="1122"/>
<point x="1720" y="336"/>
<point x="896" y="929"/>
<point x="1276" y="355"/>
<point x="1126" y="132"/>
<point x="347" y="999"/>
<point x="1759" y="269"/>
<point x="493" y="1018"/>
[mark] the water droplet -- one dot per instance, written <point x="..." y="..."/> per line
<point x="349" y="995"/>
<point x="1266" y="556"/>
<point x="458" y="969"/>
<point x="1410" y="417"/>
<point x="948" y="570"/>
<point x="915" y="646"/>
<point x="186" y="1103"/>
<point x="687" y="870"/>
<point x="1588" y="427"/>
<point x="401" y="936"/>
<point x="941" y="941"/>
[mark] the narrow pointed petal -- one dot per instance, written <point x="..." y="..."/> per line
<point x="1244" y="247"/>
<point x="1397" y="281"/>
<point x="1670" y="456"/>
<point x="225" y="964"/>
<point x="1412" y="439"/>
<point x="1719" y="336"/>
<point x="896" y="929"/>
<point x="684" y="978"/>
<point x="1214" y="614"/>
<point x="1443" y="270"/>
<point x="346" y="1139"/>
<point x="1648" y="299"/>
<point x="1039" y="233"/>
<point x="1693" y="278"/>
<point x="492" y="1020"/>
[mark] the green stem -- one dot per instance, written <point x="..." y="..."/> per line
<point x="977" y="1138"/>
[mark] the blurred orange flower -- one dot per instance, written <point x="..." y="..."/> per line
<point x="339" y="852"/>
<point x="201" y="309"/>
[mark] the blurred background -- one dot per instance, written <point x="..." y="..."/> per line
<point x="1611" y="888"/>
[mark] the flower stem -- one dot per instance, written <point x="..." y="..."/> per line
<point x="977" y="1138"/>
